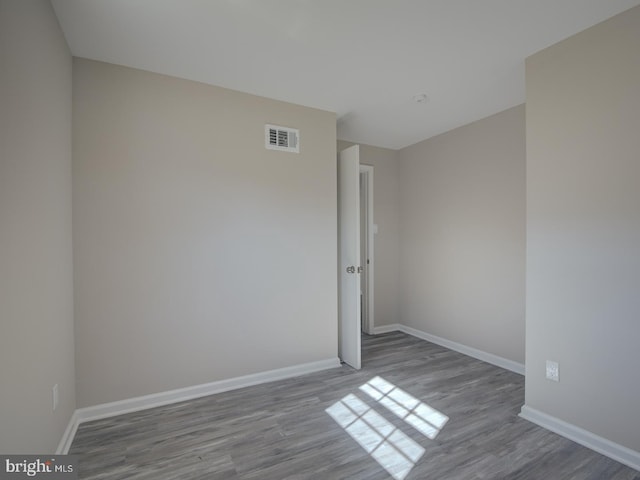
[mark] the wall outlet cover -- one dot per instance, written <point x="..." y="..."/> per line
<point x="553" y="371"/>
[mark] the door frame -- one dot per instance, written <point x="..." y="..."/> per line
<point x="368" y="317"/>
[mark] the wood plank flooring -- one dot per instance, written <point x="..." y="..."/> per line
<point x="282" y="430"/>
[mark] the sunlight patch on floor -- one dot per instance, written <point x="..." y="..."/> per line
<point x="419" y="415"/>
<point x="389" y="446"/>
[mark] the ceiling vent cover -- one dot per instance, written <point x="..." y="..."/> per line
<point x="282" y="138"/>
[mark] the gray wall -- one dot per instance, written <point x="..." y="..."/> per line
<point x="36" y="295"/>
<point x="583" y="229"/>
<point x="386" y="192"/>
<point x="199" y="255"/>
<point x="462" y="223"/>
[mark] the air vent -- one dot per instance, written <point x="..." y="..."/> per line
<point x="282" y="138"/>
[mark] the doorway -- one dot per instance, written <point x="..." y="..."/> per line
<point x="367" y="231"/>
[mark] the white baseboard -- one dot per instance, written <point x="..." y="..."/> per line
<point x="68" y="435"/>
<point x="615" y="451"/>
<point x="470" y="351"/>
<point x="394" y="327"/>
<point x="135" y="404"/>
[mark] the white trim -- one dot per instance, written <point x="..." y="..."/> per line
<point x="68" y="435"/>
<point x="451" y="345"/>
<point x="590" y="440"/>
<point x="470" y="351"/>
<point x="394" y="327"/>
<point x="135" y="404"/>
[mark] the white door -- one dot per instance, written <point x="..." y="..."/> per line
<point x="349" y="255"/>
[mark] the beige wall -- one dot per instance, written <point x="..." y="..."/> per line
<point x="36" y="297"/>
<point x="462" y="221"/>
<point x="583" y="229"/>
<point x="386" y="242"/>
<point x="199" y="255"/>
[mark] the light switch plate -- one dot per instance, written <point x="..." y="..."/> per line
<point x="56" y="397"/>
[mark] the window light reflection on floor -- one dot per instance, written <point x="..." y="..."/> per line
<point x="422" y="417"/>
<point x="390" y="447"/>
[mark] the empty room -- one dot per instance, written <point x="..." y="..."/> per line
<point x="320" y="239"/>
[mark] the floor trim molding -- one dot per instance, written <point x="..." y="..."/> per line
<point x="613" y="450"/>
<point x="458" y="347"/>
<point x="394" y="327"/>
<point x="68" y="435"/>
<point x="112" y="409"/>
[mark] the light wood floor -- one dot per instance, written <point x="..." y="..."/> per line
<point x="282" y="430"/>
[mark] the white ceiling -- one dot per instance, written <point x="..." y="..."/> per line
<point x="363" y="59"/>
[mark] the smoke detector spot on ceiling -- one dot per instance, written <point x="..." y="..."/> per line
<point x="284" y="139"/>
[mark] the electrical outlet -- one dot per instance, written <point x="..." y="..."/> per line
<point x="553" y="371"/>
<point x="54" y="391"/>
